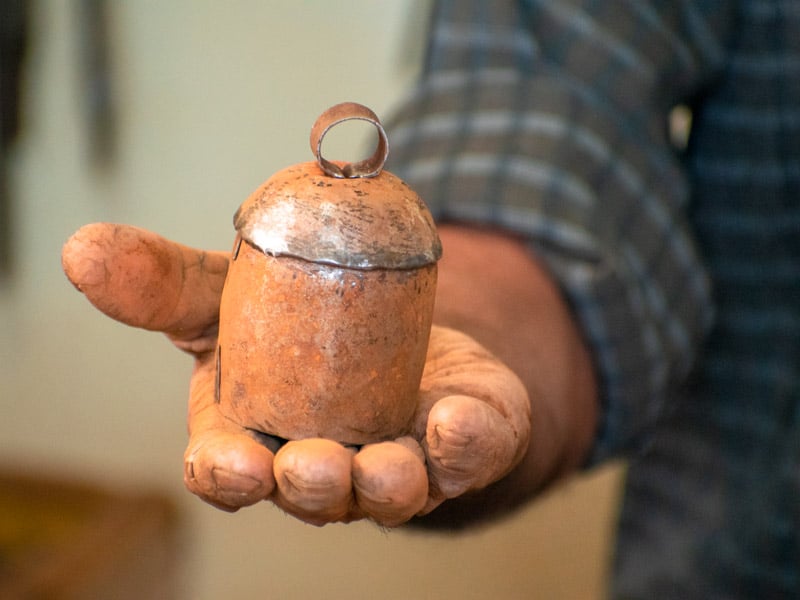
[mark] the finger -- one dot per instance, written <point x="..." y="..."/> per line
<point x="144" y="280"/>
<point x="390" y="482"/>
<point x="457" y="365"/>
<point x="223" y="463"/>
<point x="314" y="480"/>
<point x="468" y="444"/>
<point x="228" y="469"/>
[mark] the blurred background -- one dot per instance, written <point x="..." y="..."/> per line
<point x="166" y="115"/>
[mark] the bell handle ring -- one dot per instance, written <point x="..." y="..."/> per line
<point x="347" y="111"/>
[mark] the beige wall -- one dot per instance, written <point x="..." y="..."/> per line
<point x="214" y="97"/>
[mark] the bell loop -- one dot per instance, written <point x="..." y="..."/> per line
<point x="347" y="111"/>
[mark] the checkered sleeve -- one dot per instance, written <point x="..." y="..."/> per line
<point x="549" y="119"/>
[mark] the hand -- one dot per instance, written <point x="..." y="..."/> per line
<point x="472" y="424"/>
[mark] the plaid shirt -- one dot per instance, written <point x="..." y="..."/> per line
<point x="550" y="119"/>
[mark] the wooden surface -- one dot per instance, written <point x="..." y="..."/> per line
<point x="62" y="539"/>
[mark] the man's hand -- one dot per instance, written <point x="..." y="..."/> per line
<point x="471" y="428"/>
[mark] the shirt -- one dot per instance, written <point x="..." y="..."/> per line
<point x="682" y="265"/>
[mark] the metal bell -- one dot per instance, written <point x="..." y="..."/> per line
<point x="327" y="306"/>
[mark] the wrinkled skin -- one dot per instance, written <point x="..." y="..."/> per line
<point x="472" y="423"/>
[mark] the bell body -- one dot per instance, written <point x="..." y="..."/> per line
<point x="327" y="307"/>
<point x="315" y="350"/>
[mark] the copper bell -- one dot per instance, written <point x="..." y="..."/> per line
<point x="328" y="301"/>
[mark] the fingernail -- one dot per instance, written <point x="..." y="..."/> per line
<point x="81" y="269"/>
<point x="230" y="481"/>
<point x="449" y="437"/>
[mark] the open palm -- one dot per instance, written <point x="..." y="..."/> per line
<point x="471" y="425"/>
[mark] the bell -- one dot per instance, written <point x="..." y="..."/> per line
<point x="327" y="306"/>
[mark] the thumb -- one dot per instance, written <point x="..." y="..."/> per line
<point x="144" y="280"/>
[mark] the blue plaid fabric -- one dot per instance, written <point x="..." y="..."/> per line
<point x="549" y="119"/>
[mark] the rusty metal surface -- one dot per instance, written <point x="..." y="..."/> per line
<point x="375" y="223"/>
<point x="308" y="350"/>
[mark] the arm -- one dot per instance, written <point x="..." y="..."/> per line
<point x="547" y="120"/>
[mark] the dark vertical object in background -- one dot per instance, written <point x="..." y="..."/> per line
<point x="97" y="87"/>
<point x="13" y="38"/>
<point x="97" y="98"/>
